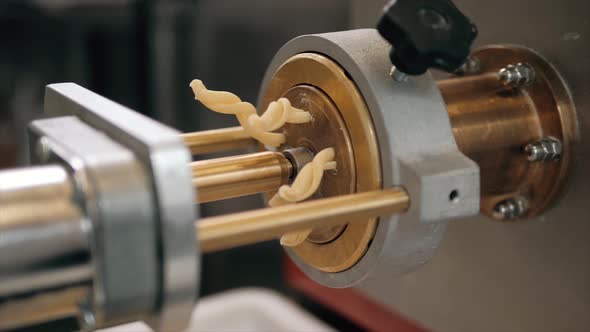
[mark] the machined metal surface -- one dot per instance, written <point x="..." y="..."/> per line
<point x="340" y="120"/>
<point x="240" y="175"/>
<point x="159" y="180"/>
<point x="115" y="193"/>
<point x="37" y="308"/>
<point x="36" y="183"/>
<point x="327" y="129"/>
<point x="527" y="276"/>
<point x="511" y="208"/>
<point x="298" y="157"/>
<point x="516" y="75"/>
<point x="495" y="126"/>
<point x="417" y="149"/>
<point x="546" y="149"/>
<point x="217" y="140"/>
<point x="39" y="240"/>
<point x="44" y="246"/>
<point x="223" y="232"/>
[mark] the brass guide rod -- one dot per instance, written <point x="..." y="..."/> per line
<point x="240" y="175"/>
<point x="218" y="140"/>
<point x="228" y="231"/>
<point x="48" y="305"/>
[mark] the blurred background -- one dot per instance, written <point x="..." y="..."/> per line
<point x="143" y="54"/>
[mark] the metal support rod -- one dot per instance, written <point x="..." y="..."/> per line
<point x="228" y="231"/>
<point x="241" y="175"/>
<point x="45" y="268"/>
<point x="33" y="184"/>
<point x="218" y="140"/>
<point x="35" y="308"/>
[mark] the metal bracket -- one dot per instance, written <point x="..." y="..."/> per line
<point x="162" y="155"/>
<point x="114" y="191"/>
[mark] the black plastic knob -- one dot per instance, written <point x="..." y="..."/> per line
<point x="426" y="34"/>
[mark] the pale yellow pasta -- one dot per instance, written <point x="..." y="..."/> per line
<point x="258" y="127"/>
<point x="305" y="184"/>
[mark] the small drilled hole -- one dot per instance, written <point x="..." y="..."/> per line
<point x="454" y="196"/>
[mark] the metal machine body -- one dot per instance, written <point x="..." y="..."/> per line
<point x="424" y="131"/>
<point x="118" y="186"/>
<point x="129" y="179"/>
<point x="526" y="276"/>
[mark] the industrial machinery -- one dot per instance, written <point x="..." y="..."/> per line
<point x="104" y="225"/>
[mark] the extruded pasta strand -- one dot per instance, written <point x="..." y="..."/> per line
<point x="305" y="184"/>
<point x="258" y="127"/>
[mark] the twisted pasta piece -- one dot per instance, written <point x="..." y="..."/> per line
<point x="258" y="127"/>
<point x="305" y="184"/>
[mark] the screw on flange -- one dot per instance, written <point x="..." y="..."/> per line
<point x="546" y="149"/>
<point x="511" y="208"/>
<point x="398" y="75"/>
<point x="471" y="66"/>
<point x="517" y="76"/>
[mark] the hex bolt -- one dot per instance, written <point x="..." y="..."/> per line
<point x="517" y="76"/>
<point x="546" y="149"/>
<point x="398" y="75"/>
<point x="511" y="208"/>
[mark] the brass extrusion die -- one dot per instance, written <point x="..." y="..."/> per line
<point x="327" y="130"/>
<point x="317" y="84"/>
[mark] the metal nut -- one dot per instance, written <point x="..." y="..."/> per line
<point x="398" y="75"/>
<point x="546" y="149"/>
<point x="511" y="208"/>
<point x="517" y="76"/>
<point x="298" y="157"/>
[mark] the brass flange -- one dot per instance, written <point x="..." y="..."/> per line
<point x="494" y="123"/>
<point x="317" y="84"/>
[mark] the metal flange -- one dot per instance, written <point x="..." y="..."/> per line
<point x="417" y="151"/>
<point x="515" y="117"/>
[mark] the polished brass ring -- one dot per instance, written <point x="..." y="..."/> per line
<point x="319" y="85"/>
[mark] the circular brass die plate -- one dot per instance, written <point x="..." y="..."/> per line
<point x="492" y="126"/>
<point x="317" y="84"/>
<point x="327" y="129"/>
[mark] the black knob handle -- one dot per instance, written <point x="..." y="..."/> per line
<point x="426" y="34"/>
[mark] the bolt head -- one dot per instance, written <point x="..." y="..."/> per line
<point x="546" y="149"/>
<point x="471" y="66"/>
<point x="511" y="208"/>
<point x="517" y="76"/>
